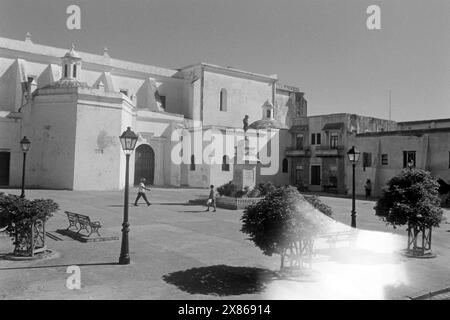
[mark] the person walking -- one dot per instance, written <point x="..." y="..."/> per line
<point x="211" y="199"/>
<point x="368" y="188"/>
<point x="141" y="193"/>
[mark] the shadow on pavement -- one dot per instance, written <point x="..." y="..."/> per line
<point x="221" y="280"/>
<point x="154" y="203"/>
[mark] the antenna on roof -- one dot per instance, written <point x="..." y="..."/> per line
<point x="389" y="104"/>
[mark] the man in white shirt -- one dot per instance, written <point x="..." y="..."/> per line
<point x="141" y="192"/>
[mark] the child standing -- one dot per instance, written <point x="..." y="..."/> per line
<point x="211" y="199"/>
<point x="141" y="192"/>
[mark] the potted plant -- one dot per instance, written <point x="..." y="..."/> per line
<point x="25" y="221"/>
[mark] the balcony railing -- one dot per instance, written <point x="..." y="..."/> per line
<point x="328" y="151"/>
<point x="294" y="152"/>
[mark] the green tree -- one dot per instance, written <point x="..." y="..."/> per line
<point x="24" y="220"/>
<point x="284" y="223"/>
<point x="412" y="198"/>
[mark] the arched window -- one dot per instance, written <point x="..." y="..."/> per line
<point x="285" y="166"/>
<point x="269" y="114"/>
<point x="225" y="164"/>
<point x="223" y="100"/>
<point x="74" y="73"/>
<point x="192" y="163"/>
<point x="65" y="71"/>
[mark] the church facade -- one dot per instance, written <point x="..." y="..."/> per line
<point x="74" y="105"/>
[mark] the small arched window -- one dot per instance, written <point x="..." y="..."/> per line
<point x="269" y="114"/>
<point x="192" y="163"/>
<point x="223" y="100"/>
<point x="285" y="166"/>
<point x="225" y="164"/>
<point x="66" y="70"/>
<point x="74" y="73"/>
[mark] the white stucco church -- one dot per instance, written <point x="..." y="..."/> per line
<point x="74" y="105"/>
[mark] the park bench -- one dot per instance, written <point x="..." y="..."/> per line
<point x="82" y="222"/>
<point x="330" y="188"/>
<point x="333" y="238"/>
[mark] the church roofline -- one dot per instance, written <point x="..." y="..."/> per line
<point x="54" y="55"/>
<point x="285" y="87"/>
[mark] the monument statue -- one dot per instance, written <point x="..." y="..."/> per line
<point x="245" y="121"/>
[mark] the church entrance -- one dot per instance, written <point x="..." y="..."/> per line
<point x="144" y="165"/>
<point x="4" y="168"/>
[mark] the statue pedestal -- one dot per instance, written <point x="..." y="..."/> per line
<point x="244" y="176"/>
<point x="244" y="172"/>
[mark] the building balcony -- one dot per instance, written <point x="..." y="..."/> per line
<point x="294" y="152"/>
<point x="328" y="151"/>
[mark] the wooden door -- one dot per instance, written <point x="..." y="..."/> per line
<point x="144" y="164"/>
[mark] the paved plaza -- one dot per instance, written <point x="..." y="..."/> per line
<point x="179" y="251"/>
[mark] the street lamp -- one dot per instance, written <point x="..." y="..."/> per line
<point x="25" y="145"/>
<point x="128" y="141"/>
<point x="353" y="157"/>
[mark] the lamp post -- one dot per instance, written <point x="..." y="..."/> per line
<point x="128" y="141"/>
<point x="353" y="157"/>
<point x="25" y="145"/>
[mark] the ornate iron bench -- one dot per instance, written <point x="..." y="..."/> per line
<point x="82" y="222"/>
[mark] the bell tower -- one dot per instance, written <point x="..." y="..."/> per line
<point x="71" y="65"/>
<point x="268" y="111"/>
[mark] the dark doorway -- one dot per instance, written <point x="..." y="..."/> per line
<point x="298" y="176"/>
<point x="144" y="166"/>
<point x="4" y="168"/>
<point x="315" y="175"/>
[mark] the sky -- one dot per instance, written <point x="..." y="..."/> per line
<point x="321" y="46"/>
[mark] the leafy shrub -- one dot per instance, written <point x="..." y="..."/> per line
<point x="265" y="188"/>
<point x="301" y="187"/>
<point x="240" y="194"/>
<point x="319" y="205"/>
<point x="227" y="189"/>
<point x="280" y="219"/>
<point x="254" y="193"/>
<point x="411" y="198"/>
<point x="231" y="190"/>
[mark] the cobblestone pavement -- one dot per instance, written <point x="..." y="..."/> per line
<point x="179" y="251"/>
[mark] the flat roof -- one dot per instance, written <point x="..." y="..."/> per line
<point x="424" y="121"/>
<point x="349" y="114"/>
<point x="233" y="70"/>
<point x="413" y="132"/>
